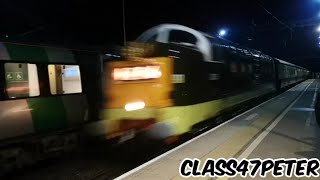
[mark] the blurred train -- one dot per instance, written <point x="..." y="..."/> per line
<point x="162" y="85"/>
<point x="174" y="77"/>
<point x="46" y="96"/>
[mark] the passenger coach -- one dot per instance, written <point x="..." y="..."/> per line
<point x="47" y="94"/>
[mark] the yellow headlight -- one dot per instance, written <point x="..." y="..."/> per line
<point x="134" y="106"/>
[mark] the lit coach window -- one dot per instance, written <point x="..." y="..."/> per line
<point x="64" y="79"/>
<point x="21" y="80"/>
<point x="136" y="73"/>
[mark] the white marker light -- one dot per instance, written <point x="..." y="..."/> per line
<point x="134" y="106"/>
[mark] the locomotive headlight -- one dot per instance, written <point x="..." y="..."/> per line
<point x="134" y="106"/>
<point x="136" y="73"/>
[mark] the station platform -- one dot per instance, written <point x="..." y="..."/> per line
<point x="282" y="127"/>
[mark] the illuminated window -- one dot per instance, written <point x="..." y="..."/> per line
<point x="64" y="79"/>
<point x="21" y="80"/>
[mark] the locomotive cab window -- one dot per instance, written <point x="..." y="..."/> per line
<point x="64" y="79"/>
<point x="153" y="38"/>
<point x="21" y="80"/>
<point x="183" y="38"/>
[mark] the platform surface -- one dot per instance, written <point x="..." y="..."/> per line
<point x="283" y="127"/>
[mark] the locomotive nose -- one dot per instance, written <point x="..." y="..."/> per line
<point x="137" y="89"/>
<point x="136" y="85"/>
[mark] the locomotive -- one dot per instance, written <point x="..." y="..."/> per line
<point x="174" y="77"/>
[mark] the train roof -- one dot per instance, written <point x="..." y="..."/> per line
<point x="290" y="64"/>
<point x="252" y="50"/>
<point x="214" y="39"/>
<point x="42" y="54"/>
<point x="62" y="48"/>
<point x="231" y="44"/>
<point x="285" y="62"/>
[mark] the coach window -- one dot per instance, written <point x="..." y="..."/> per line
<point x="243" y="68"/>
<point x="218" y="52"/>
<point x="64" y="79"/>
<point x="233" y="67"/>
<point x="21" y="80"/>
<point x="250" y="68"/>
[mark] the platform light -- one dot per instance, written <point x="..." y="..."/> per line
<point x="318" y="28"/>
<point x="222" y="32"/>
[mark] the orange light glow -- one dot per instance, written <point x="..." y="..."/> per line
<point x="136" y="73"/>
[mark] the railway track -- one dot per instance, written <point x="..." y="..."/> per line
<point x="91" y="162"/>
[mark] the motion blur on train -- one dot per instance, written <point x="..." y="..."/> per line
<point x="160" y="86"/>
<point x="173" y="77"/>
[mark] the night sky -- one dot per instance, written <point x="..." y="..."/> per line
<point x="94" y="24"/>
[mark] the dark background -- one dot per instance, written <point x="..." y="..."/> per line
<point x="98" y="24"/>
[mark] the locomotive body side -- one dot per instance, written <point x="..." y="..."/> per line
<point x="207" y="78"/>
